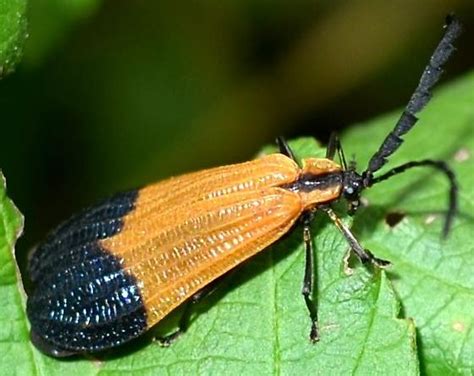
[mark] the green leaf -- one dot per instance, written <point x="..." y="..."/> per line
<point x="12" y="33"/>
<point x="257" y="323"/>
<point x="13" y="326"/>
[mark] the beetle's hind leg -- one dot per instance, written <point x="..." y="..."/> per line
<point x="364" y="255"/>
<point x="309" y="278"/>
<point x="185" y="318"/>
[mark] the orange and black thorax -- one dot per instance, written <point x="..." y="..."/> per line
<point x="116" y="269"/>
<point x="316" y="183"/>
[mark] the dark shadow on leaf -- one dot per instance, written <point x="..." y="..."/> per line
<point x="394" y="218"/>
<point x="419" y="347"/>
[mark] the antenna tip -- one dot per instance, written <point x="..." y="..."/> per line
<point x="453" y="23"/>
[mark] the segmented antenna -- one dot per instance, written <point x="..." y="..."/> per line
<point x="419" y="99"/>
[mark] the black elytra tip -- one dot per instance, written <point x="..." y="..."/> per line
<point x="48" y="348"/>
<point x="67" y="241"/>
<point x="84" y="301"/>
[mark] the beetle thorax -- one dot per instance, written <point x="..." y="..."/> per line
<point x="319" y="181"/>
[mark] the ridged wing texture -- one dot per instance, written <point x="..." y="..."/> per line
<point x="66" y="245"/>
<point x="187" y="231"/>
<point x="83" y="299"/>
<point x="182" y="251"/>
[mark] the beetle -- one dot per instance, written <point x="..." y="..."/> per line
<point x="113" y="271"/>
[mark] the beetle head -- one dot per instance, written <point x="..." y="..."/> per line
<point x="352" y="186"/>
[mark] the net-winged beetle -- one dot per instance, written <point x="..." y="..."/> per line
<point x="116" y="269"/>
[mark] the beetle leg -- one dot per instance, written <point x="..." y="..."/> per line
<point x="309" y="280"/>
<point x="364" y="254"/>
<point x="185" y="318"/>
<point x="334" y="145"/>
<point x="285" y="148"/>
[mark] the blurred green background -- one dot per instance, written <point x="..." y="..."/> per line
<point x="114" y="94"/>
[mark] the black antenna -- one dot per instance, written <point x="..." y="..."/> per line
<point x="418" y="100"/>
<point x="439" y="165"/>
